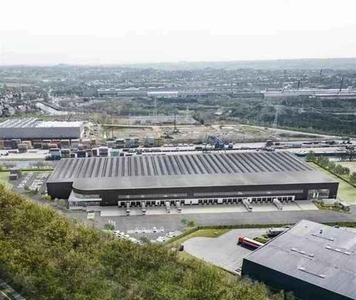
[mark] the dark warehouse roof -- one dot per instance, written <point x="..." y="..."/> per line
<point x="318" y="254"/>
<point x="186" y="170"/>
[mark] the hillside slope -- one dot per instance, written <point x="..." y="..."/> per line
<point x="45" y="256"/>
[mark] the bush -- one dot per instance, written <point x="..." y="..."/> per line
<point x="47" y="257"/>
<point x="191" y="223"/>
<point x="352" y="177"/>
<point x="46" y="197"/>
<point x="109" y="226"/>
<point x="145" y="240"/>
<point x="261" y="239"/>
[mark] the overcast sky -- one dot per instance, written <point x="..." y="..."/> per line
<point x="136" y="31"/>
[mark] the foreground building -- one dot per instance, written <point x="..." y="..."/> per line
<point x="209" y="178"/>
<point x="35" y="129"/>
<point x="314" y="261"/>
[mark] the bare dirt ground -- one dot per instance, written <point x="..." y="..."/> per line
<point x="199" y="133"/>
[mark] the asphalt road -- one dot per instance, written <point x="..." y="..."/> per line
<point x="222" y="251"/>
<point x="173" y="222"/>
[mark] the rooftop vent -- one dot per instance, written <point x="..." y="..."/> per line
<point x="309" y="255"/>
<point x="311" y="273"/>
<point x="338" y="250"/>
<point x="323" y="237"/>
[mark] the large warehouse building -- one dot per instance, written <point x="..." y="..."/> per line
<point x="188" y="179"/>
<point x="314" y="261"/>
<point x="35" y="129"/>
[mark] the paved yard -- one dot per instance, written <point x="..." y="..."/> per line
<point x="208" y="209"/>
<point x="172" y="222"/>
<point x="222" y="251"/>
<point x="34" y="180"/>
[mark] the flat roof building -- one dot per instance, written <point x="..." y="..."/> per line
<point x="33" y="128"/>
<point x="313" y="260"/>
<point x="189" y="179"/>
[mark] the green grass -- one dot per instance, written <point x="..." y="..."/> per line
<point x="333" y="208"/>
<point x="346" y="191"/>
<point x="252" y="130"/>
<point x="4" y="179"/>
<point x="212" y="233"/>
<point x="261" y="239"/>
<point x="349" y="164"/>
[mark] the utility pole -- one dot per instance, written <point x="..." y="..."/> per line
<point x="341" y="84"/>
<point x="156" y="110"/>
<point x="275" y="123"/>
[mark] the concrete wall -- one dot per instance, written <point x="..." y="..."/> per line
<point x="110" y="197"/>
<point x="301" y="289"/>
<point x="60" y="190"/>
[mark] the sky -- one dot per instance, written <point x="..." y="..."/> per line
<point x="45" y="32"/>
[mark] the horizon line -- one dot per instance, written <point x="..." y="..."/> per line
<point x="172" y="62"/>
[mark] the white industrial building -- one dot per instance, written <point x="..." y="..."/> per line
<point x="35" y="129"/>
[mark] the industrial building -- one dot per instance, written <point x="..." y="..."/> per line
<point x="33" y="128"/>
<point x="138" y="92"/>
<point x="188" y="179"/>
<point x="314" y="261"/>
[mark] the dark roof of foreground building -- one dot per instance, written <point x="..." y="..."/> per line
<point x="186" y="170"/>
<point x="321" y="255"/>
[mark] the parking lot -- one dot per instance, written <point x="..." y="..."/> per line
<point x="172" y="222"/>
<point x="222" y="251"/>
<point x="155" y="234"/>
<point x="33" y="180"/>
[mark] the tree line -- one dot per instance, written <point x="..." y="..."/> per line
<point x="333" y="167"/>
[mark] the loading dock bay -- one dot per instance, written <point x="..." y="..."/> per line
<point x="207" y="209"/>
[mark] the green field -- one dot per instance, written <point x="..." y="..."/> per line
<point x="349" y="164"/>
<point x="212" y="233"/>
<point x="346" y="191"/>
<point x="4" y="179"/>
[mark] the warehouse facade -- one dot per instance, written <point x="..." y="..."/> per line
<point x="314" y="261"/>
<point x="210" y="178"/>
<point x="33" y="128"/>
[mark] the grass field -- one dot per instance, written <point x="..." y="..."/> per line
<point x="199" y="233"/>
<point x="4" y="178"/>
<point x="349" y="164"/>
<point x="346" y="191"/>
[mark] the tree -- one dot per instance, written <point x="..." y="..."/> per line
<point x="331" y="166"/>
<point x="145" y="240"/>
<point x="353" y="177"/>
<point x="339" y="169"/>
<point x="109" y="226"/>
<point x="322" y="161"/>
<point x="191" y="223"/>
<point x="311" y="156"/>
<point x="184" y="222"/>
<point x="346" y="171"/>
